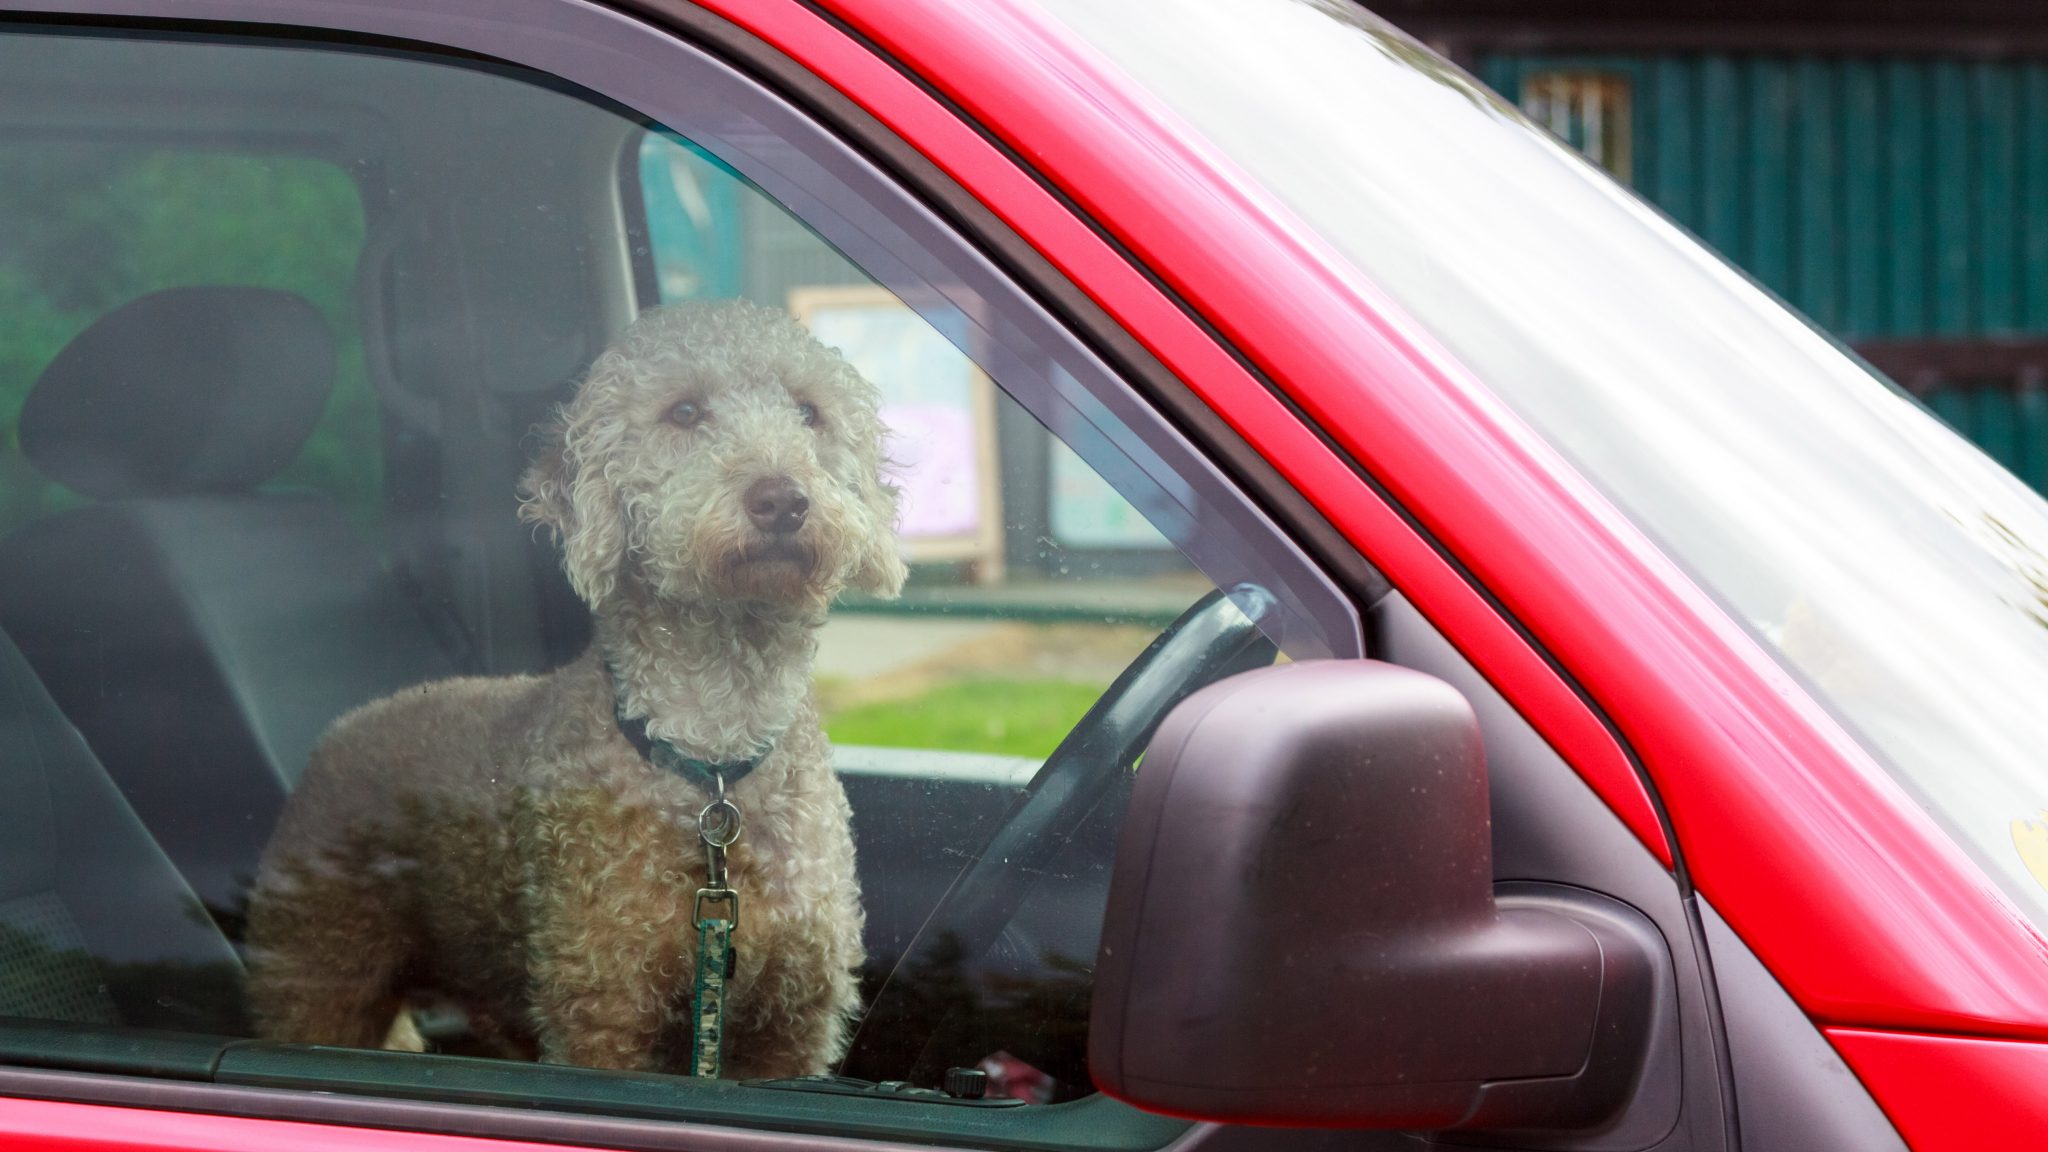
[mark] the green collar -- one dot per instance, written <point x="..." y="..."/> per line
<point x="706" y="774"/>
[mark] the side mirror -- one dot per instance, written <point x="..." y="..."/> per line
<point x="1303" y="927"/>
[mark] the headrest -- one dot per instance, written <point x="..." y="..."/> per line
<point x="182" y="391"/>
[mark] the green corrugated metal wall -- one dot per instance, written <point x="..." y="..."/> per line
<point x="1887" y="198"/>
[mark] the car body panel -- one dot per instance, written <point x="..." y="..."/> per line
<point x="55" y="1126"/>
<point x="1953" y="1093"/>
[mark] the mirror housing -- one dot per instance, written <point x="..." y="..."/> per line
<point x="1303" y="927"/>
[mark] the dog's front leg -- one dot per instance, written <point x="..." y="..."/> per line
<point x="604" y="918"/>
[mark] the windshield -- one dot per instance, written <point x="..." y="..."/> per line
<point x="1892" y="564"/>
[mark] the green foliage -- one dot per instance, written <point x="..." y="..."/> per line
<point x="86" y="228"/>
<point x="1003" y="716"/>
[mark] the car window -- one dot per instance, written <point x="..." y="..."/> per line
<point x="1033" y="582"/>
<point x="766" y="608"/>
<point x="91" y="222"/>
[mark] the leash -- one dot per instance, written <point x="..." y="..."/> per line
<point x="717" y="910"/>
<point x="717" y="826"/>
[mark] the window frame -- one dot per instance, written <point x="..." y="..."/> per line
<point x="1144" y="393"/>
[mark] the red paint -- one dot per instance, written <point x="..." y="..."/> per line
<point x="1953" y="1093"/>
<point x="1853" y="897"/>
<point x="49" y="1126"/>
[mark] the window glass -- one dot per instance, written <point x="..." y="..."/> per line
<point x="90" y="223"/>
<point x="707" y="465"/>
<point x="1033" y="581"/>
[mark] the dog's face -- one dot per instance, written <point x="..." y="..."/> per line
<point x="718" y="452"/>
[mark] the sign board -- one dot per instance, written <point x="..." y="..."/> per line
<point x="941" y="414"/>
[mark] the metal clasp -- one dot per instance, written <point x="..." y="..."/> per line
<point x="718" y="826"/>
<point x="715" y="896"/>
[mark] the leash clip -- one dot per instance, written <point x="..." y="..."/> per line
<point x="714" y="897"/>
<point x="718" y="826"/>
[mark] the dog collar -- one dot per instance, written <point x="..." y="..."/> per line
<point x="706" y="774"/>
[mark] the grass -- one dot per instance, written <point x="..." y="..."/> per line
<point x="1010" y="717"/>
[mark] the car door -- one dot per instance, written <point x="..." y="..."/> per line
<point x="192" y="582"/>
<point x="1095" y="479"/>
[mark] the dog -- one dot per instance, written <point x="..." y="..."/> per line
<point x="714" y="483"/>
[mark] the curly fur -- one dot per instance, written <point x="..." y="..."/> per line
<point x="498" y="841"/>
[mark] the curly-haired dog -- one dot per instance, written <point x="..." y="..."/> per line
<point x="713" y="484"/>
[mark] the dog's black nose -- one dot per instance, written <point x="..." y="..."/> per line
<point x="776" y="506"/>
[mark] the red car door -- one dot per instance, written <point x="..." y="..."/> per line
<point x="1361" y="434"/>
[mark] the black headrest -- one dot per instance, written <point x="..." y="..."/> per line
<point x="182" y="391"/>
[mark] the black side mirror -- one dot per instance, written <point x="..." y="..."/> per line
<point x="1303" y="927"/>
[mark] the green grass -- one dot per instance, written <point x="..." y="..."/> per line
<point x="1007" y="717"/>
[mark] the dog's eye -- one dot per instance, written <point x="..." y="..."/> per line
<point x="687" y="414"/>
<point x="809" y="412"/>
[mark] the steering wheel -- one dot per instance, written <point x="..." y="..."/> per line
<point x="1217" y="637"/>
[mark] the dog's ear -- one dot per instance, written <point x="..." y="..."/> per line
<point x="567" y="490"/>
<point x="878" y="567"/>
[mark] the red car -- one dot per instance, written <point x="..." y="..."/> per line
<point x="1657" y="760"/>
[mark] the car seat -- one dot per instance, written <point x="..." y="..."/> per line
<point x="200" y="633"/>
<point x="96" y="927"/>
